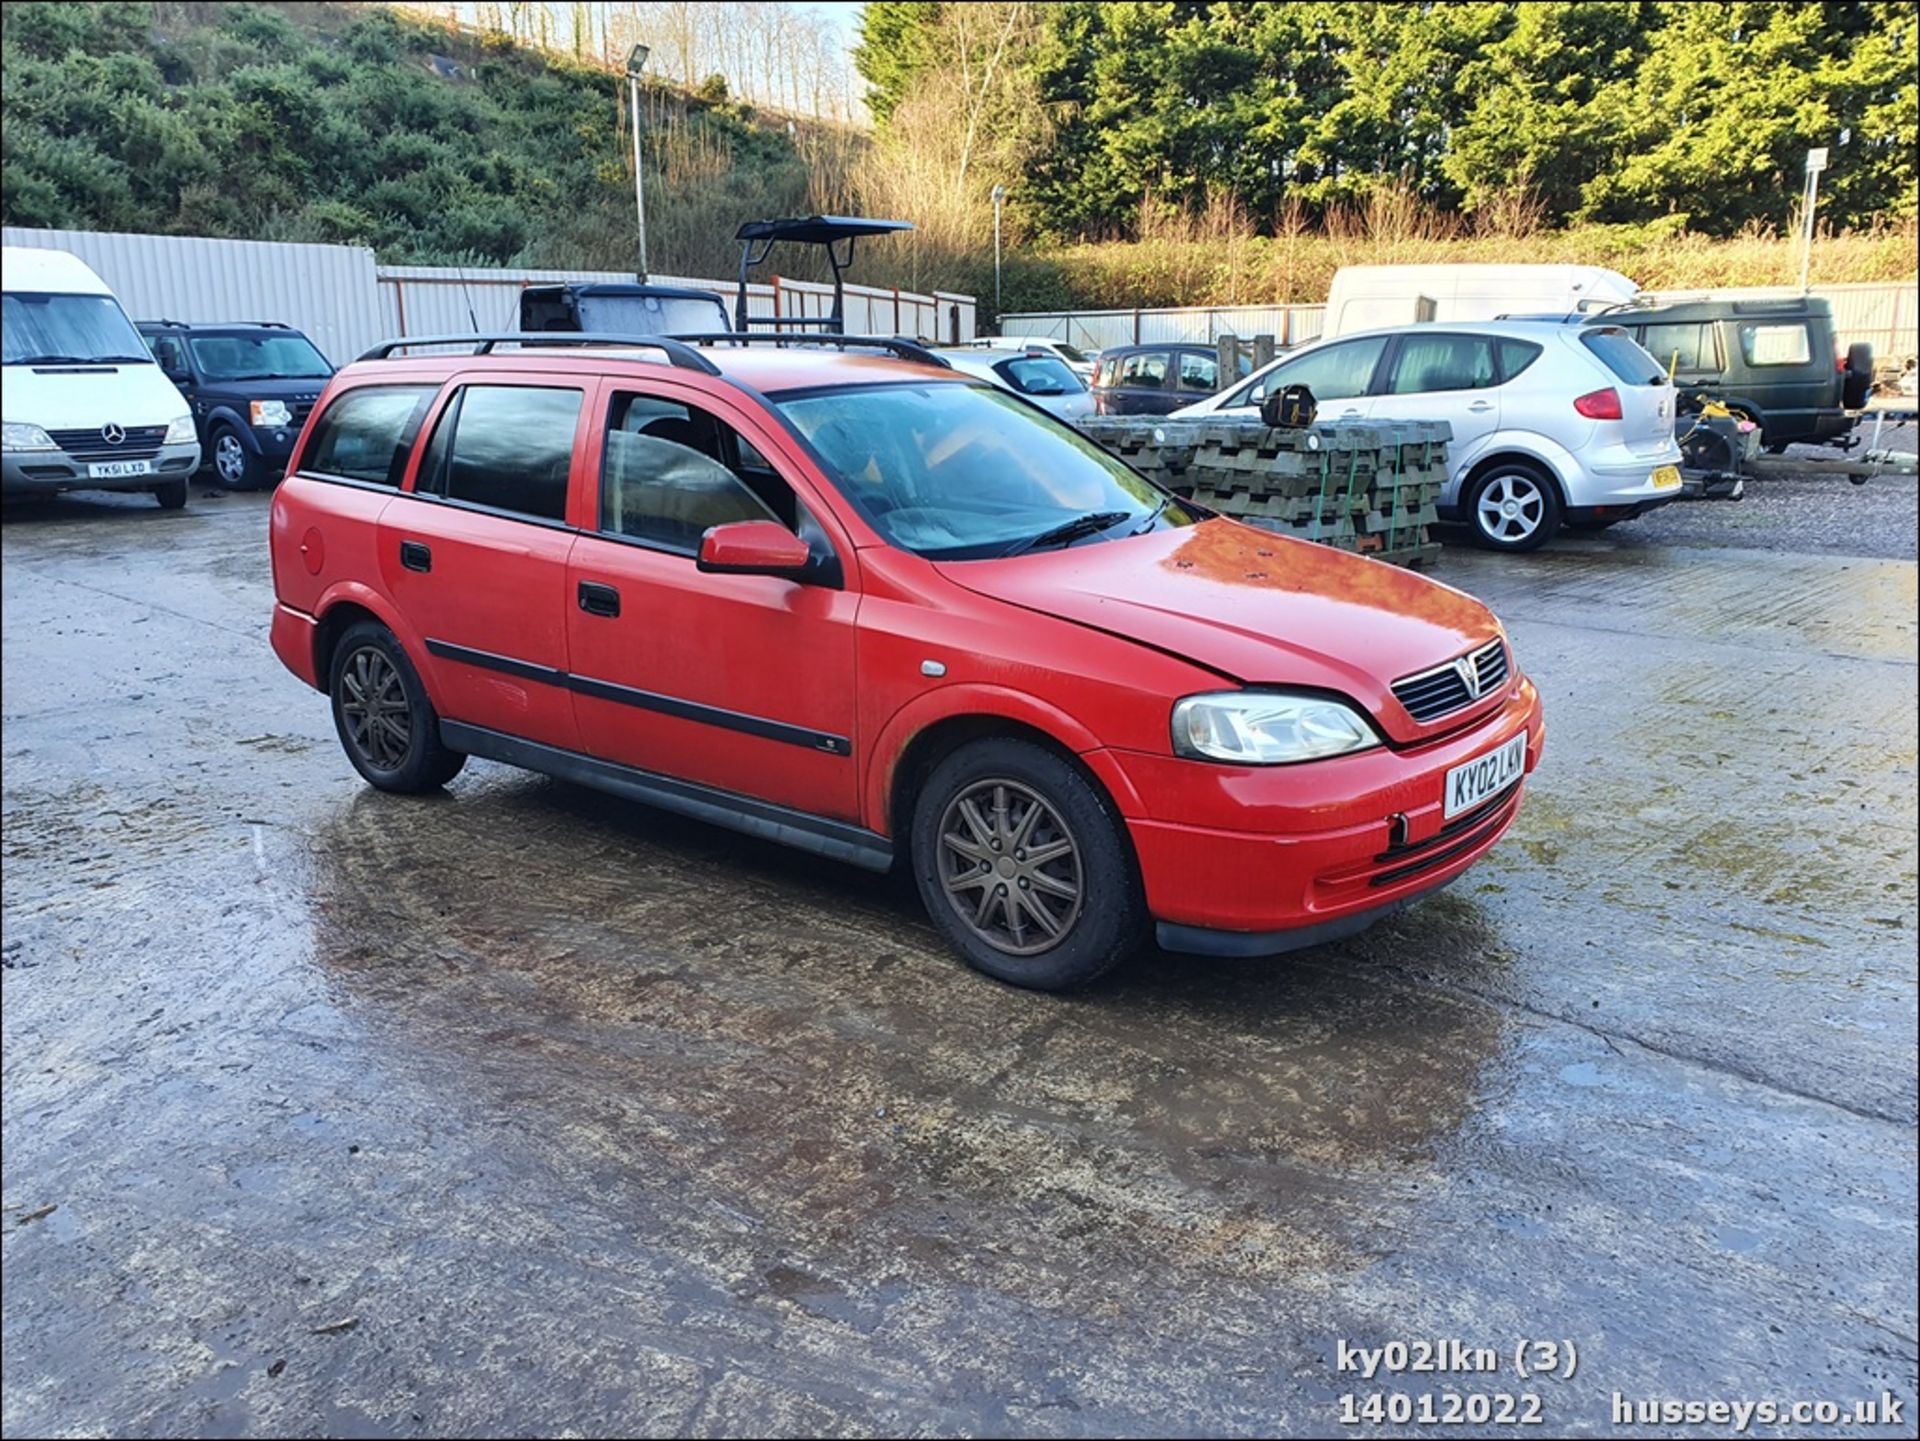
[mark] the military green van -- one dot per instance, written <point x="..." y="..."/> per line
<point x="1773" y="360"/>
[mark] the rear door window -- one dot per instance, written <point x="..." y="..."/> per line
<point x="1765" y="345"/>
<point x="1199" y="374"/>
<point x="366" y="434"/>
<point x="1146" y="371"/>
<point x="505" y="447"/>
<point x="1622" y="354"/>
<point x="1689" y="349"/>
<point x="1339" y="371"/>
<point x="672" y="471"/>
<point x="1429" y="363"/>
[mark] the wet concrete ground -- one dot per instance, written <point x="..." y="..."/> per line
<point x="523" y="1110"/>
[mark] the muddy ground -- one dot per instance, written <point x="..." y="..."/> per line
<point x="523" y="1109"/>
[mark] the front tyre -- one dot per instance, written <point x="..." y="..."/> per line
<point x="1024" y="868"/>
<point x="171" y="494"/>
<point x="236" y="467"/>
<point x="1513" y="508"/>
<point x="387" y="726"/>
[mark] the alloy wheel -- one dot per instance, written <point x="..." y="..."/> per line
<point x="1010" y="867"/>
<point x="1511" y="507"/>
<point x="229" y="459"/>
<point x="373" y="702"/>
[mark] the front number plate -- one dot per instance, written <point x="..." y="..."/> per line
<point x="1666" y="477"/>
<point x="115" y="469"/>
<point x="1482" y="779"/>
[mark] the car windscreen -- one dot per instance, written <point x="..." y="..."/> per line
<point x="1623" y="355"/>
<point x="652" y="315"/>
<point x="258" y="355"/>
<point x="1040" y="375"/>
<point x="40" y="328"/>
<point x="964" y="472"/>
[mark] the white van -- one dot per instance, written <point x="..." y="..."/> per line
<point x="85" y="406"/>
<point x="1370" y="297"/>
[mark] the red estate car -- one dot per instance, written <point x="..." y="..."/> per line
<point x="866" y="606"/>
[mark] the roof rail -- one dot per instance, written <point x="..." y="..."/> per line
<point x="898" y="345"/>
<point x="680" y="355"/>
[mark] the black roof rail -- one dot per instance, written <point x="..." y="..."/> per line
<point x="678" y="353"/>
<point x="895" y="344"/>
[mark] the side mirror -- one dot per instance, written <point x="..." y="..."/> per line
<point x="753" y="547"/>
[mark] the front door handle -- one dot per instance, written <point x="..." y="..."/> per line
<point x="598" y="599"/>
<point x="415" y="556"/>
<point x="1480" y="407"/>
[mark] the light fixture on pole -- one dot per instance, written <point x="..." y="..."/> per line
<point x="999" y="194"/>
<point x="636" y="62"/>
<point x="1816" y="162"/>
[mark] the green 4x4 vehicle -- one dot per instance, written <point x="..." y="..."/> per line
<point x="1775" y="361"/>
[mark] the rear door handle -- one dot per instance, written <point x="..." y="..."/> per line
<point x="415" y="556"/>
<point x="598" y="599"/>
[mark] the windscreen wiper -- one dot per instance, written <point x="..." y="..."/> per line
<point x="1068" y="530"/>
<point x="1147" y="524"/>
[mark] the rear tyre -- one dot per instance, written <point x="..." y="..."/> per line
<point x="1024" y="868"/>
<point x="1513" y="507"/>
<point x="171" y="494"/>
<point x="388" y="727"/>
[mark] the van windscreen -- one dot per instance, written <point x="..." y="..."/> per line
<point x="37" y="328"/>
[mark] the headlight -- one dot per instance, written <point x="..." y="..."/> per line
<point x="26" y="437"/>
<point x="271" y="412"/>
<point x="1264" y="728"/>
<point x="180" y="431"/>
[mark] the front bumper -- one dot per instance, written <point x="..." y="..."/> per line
<point x="48" y="472"/>
<point x="1264" y="859"/>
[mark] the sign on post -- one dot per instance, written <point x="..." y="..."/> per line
<point x="1816" y="160"/>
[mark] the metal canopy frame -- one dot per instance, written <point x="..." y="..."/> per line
<point x="835" y="234"/>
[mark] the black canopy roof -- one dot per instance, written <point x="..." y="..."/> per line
<point x="819" y="229"/>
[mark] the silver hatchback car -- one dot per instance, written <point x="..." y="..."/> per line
<point x="1037" y="374"/>
<point x="1554" y="422"/>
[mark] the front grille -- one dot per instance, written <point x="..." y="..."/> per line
<point x="1443" y="690"/>
<point x="142" y="442"/>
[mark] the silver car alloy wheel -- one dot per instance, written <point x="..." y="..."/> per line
<point x="1511" y="507"/>
<point x="230" y="459"/>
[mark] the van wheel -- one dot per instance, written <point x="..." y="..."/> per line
<point x="171" y="494"/>
<point x="1024" y="868"/>
<point x="1513" y="507"/>
<point x="388" y="727"/>
<point x="236" y="467"/>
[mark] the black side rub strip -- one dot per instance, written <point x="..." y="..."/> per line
<point x="773" y="730"/>
<point x="838" y="840"/>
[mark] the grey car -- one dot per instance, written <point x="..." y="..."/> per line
<point x="1037" y="374"/>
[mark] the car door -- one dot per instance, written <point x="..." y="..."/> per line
<point x="474" y="551"/>
<point x="1339" y="374"/>
<point x="744" y="683"/>
<point x="1443" y="375"/>
<point x="1139" y="386"/>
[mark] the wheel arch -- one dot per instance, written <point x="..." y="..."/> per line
<point x="349" y="602"/>
<point x="1509" y="455"/>
<point x="923" y="734"/>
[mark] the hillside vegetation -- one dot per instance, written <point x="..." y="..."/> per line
<point x="1153" y="154"/>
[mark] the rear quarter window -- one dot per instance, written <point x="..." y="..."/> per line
<point x="365" y="435"/>
<point x="1764" y="345"/>
<point x="1622" y="354"/>
<point x="1515" y="357"/>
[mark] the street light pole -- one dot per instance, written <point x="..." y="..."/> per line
<point x="636" y="62"/>
<point x="999" y="194"/>
<point x="1816" y="162"/>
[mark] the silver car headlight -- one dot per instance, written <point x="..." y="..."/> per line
<point x="26" y="437"/>
<point x="1265" y="728"/>
<point x="179" y="431"/>
<point x="271" y="412"/>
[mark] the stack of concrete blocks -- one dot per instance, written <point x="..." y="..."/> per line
<point x="1367" y="486"/>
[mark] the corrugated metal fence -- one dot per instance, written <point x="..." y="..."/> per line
<point x="345" y="302"/>
<point x="1887" y="316"/>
